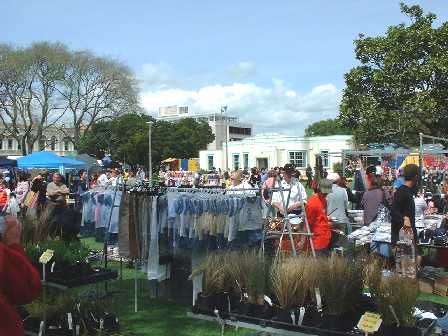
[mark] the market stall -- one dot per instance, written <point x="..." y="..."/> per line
<point x="48" y="160"/>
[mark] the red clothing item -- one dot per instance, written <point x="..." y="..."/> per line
<point x="19" y="284"/>
<point x="3" y="198"/>
<point x="318" y="221"/>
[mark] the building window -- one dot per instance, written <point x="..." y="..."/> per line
<point x="325" y="158"/>
<point x="236" y="161"/>
<point x="240" y="130"/>
<point x="1" y="143"/>
<point x="66" y="145"/>
<point x="245" y="160"/>
<point x="10" y="144"/>
<point x="19" y="143"/>
<point x="298" y="158"/>
<point x="210" y="161"/>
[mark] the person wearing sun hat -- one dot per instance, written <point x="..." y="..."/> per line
<point x="293" y="189"/>
<point x="316" y="213"/>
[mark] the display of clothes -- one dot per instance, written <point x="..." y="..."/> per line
<point x="185" y="219"/>
<point x="97" y="208"/>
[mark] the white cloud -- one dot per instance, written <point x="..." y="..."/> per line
<point x="159" y="75"/>
<point x="242" y="70"/>
<point x="276" y="108"/>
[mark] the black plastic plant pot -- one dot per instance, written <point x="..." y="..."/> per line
<point x="399" y="331"/>
<point x="312" y="318"/>
<point x="206" y="304"/>
<point x="332" y="322"/>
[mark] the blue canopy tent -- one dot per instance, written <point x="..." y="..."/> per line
<point x="48" y="160"/>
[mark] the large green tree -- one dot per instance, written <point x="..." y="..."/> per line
<point x="327" y="127"/>
<point x="126" y="138"/>
<point x="401" y="86"/>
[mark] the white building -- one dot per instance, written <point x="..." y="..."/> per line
<point x="56" y="139"/>
<point x="223" y="126"/>
<point x="275" y="150"/>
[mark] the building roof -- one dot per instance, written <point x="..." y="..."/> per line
<point x="270" y="138"/>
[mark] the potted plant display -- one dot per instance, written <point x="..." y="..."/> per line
<point x="293" y="279"/>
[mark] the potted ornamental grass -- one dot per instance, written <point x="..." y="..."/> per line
<point x="395" y="298"/>
<point x="247" y="271"/>
<point x="293" y="281"/>
<point x="341" y="284"/>
<point x="213" y="275"/>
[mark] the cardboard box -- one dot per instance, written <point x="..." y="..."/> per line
<point x="426" y="286"/>
<point x="441" y="286"/>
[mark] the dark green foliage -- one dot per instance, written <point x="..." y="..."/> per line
<point x="327" y="127"/>
<point x="64" y="253"/>
<point x="400" y="87"/>
<point x="126" y="138"/>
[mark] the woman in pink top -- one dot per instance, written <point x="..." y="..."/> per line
<point x="22" y="189"/>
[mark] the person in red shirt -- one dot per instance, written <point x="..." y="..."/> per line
<point x="316" y="212"/>
<point x="19" y="279"/>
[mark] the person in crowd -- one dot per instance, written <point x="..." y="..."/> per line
<point x="325" y="173"/>
<point x="343" y="184"/>
<point x="126" y="175"/>
<point x="268" y="184"/>
<point x="22" y="189"/>
<point x="441" y="203"/>
<point x="197" y="178"/>
<point x="116" y="178"/>
<point x="57" y="193"/>
<point x="19" y="279"/>
<point x="140" y="174"/>
<point x="337" y="203"/>
<point x="103" y="179"/>
<point x="420" y="207"/>
<point x="309" y="176"/>
<point x="399" y="180"/>
<point x="83" y="184"/>
<point x="403" y="206"/>
<point x="317" y="218"/>
<point x="239" y="184"/>
<point x="297" y="194"/>
<point x="264" y="175"/>
<point x="4" y="196"/>
<point x="255" y="178"/>
<point x="23" y="186"/>
<point x="93" y="181"/>
<point x="81" y="188"/>
<point x="373" y="197"/>
<point x="39" y="186"/>
<point x="132" y="180"/>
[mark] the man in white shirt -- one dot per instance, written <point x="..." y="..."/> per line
<point x="103" y="179"/>
<point x="297" y="196"/>
<point x="116" y="178"/>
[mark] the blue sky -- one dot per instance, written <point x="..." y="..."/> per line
<point x="278" y="64"/>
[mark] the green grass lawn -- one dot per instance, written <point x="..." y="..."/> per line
<point x="155" y="317"/>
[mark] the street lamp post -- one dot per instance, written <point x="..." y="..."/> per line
<point x="224" y="110"/>
<point x="149" y="153"/>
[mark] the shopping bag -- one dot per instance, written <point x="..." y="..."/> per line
<point x="30" y="199"/>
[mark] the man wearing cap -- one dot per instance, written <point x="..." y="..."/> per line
<point x="316" y="213"/>
<point x="293" y="188"/>
<point x="337" y="202"/>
